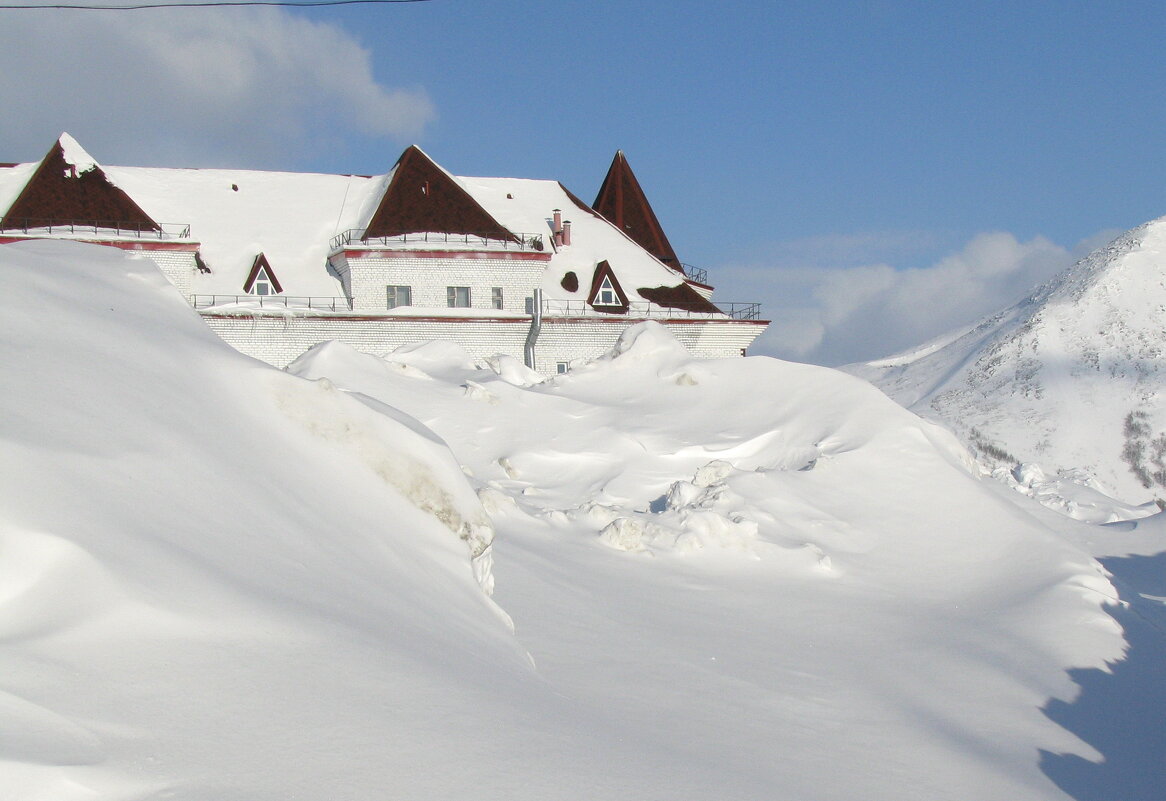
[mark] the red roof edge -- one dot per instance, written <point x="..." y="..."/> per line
<point x="57" y="193"/>
<point x="421" y="196"/>
<point x="261" y="263"/>
<point x="623" y="203"/>
<point x="603" y="270"/>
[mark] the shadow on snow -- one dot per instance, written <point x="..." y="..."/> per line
<point x="1122" y="714"/>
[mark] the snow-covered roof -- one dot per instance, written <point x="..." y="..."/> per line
<point x="12" y="181"/>
<point x="75" y="154"/>
<point x="292" y="218"/>
<point x="237" y="214"/>
<point x="527" y="205"/>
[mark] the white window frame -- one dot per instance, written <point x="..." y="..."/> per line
<point x="458" y="297"/>
<point x="394" y="293"/>
<point x="496" y="297"/>
<point x="263" y="284"/>
<point x="606" y="294"/>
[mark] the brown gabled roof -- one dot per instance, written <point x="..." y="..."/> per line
<point x="59" y="193"/>
<point x="261" y="263"/>
<point x="624" y="204"/>
<point x="603" y="270"/>
<point x="423" y="197"/>
<point x="681" y="296"/>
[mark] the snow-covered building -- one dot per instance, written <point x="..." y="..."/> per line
<point x="276" y="262"/>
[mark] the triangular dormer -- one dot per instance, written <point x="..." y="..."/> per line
<point x="69" y="187"/>
<point x="624" y="204"/>
<point x="261" y="280"/>
<point x="606" y="294"/>
<point x="422" y="197"/>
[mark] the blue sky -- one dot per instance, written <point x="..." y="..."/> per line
<point x="834" y="160"/>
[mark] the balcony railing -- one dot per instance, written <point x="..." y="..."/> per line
<point x="579" y="308"/>
<point x="698" y="274"/>
<point x="354" y="236"/>
<point x="105" y="228"/>
<point x="271" y="301"/>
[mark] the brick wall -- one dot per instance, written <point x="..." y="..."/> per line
<point x="177" y="265"/>
<point x="429" y="278"/>
<point x="278" y="339"/>
<point x="575" y="339"/>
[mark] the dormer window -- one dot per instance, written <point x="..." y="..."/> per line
<point x="261" y="280"/>
<point x="606" y="295"/>
<point x="262" y="285"/>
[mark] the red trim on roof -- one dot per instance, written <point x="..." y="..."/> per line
<point x="423" y="197"/>
<point x="446" y="254"/>
<point x="624" y="204"/>
<point x="56" y="193"/>
<point x="261" y="263"/>
<point x="523" y="321"/>
<point x="122" y="244"/>
<point x="348" y="317"/>
<point x="635" y="318"/>
<point x="579" y="203"/>
<point x="603" y="271"/>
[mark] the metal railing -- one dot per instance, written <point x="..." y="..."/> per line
<point x="354" y="236"/>
<point x="698" y="274"/>
<point x="108" y="228"/>
<point x="580" y="308"/>
<point x="271" y="301"/>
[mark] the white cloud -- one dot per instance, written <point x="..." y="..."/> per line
<point x="256" y="87"/>
<point x="829" y="310"/>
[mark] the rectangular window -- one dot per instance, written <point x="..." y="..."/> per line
<point x="457" y="297"/>
<point x="496" y="297"/>
<point x="562" y="367"/>
<point x="399" y="296"/>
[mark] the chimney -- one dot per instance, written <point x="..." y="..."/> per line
<point x="557" y="226"/>
<point x="566" y="232"/>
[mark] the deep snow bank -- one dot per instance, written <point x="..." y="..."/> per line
<point x="206" y="563"/>
<point x="737" y="579"/>
<point x="831" y="582"/>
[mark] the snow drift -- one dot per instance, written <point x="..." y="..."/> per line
<point x="738" y="579"/>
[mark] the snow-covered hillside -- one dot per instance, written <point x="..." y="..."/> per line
<point x="739" y="579"/>
<point x="1073" y="378"/>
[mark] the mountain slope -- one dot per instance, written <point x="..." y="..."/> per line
<point x="1071" y="378"/>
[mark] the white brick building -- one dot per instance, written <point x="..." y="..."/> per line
<point x="278" y="262"/>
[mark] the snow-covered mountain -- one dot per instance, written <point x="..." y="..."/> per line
<point x="1072" y="379"/>
<point x="737" y="579"/>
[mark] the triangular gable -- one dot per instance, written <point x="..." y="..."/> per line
<point x="604" y="278"/>
<point x="259" y="267"/>
<point x="421" y="197"/>
<point x="69" y="187"/>
<point x="624" y="204"/>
